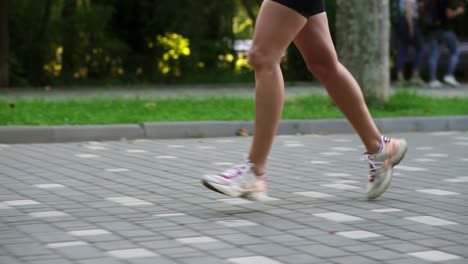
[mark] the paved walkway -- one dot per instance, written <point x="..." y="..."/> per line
<point x="141" y="202"/>
<point x="238" y="90"/>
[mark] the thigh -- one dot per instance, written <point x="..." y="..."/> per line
<point x="315" y="42"/>
<point x="275" y="28"/>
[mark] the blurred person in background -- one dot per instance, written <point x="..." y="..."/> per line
<point x="442" y="34"/>
<point x="409" y="34"/>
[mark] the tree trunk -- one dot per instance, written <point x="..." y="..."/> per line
<point x="362" y="36"/>
<point x="4" y="42"/>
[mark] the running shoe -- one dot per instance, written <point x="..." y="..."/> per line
<point x="239" y="181"/>
<point x="450" y="80"/>
<point x="382" y="163"/>
<point x="435" y="84"/>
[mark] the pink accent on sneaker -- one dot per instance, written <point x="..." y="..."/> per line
<point x="239" y="181"/>
<point x="381" y="165"/>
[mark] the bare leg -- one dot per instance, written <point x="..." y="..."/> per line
<point x="276" y="28"/>
<point x="316" y="46"/>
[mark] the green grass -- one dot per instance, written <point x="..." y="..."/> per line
<point x="138" y="110"/>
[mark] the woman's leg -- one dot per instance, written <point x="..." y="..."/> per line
<point x="315" y="43"/>
<point x="275" y="29"/>
<point x="316" y="46"/>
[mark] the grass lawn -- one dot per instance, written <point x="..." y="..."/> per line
<point x="138" y="110"/>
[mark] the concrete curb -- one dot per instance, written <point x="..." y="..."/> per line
<point x="171" y="130"/>
<point x="50" y="134"/>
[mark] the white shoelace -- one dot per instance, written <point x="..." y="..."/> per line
<point x="237" y="170"/>
<point x="375" y="165"/>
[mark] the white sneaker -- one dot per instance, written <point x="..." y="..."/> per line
<point x="450" y="80"/>
<point x="239" y="181"/>
<point x="435" y="84"/>
<point x="382" y="163"/>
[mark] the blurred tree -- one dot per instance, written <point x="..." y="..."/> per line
<point x="31" y="47"/>
<point x="250" y="6"/>
<point x="362" y="36"/>
<point x="4" y="40"/>
<point x="69" y="39"/>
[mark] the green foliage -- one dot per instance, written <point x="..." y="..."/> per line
<point x="106" y="41"/>
<point x="83" y="42"/>
<point x="99" y="42"/>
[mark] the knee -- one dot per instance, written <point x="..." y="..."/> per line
<point x="323" y="69"/>
<point x="262" y="60"/>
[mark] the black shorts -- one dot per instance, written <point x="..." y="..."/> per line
<point x="306" y="8"/>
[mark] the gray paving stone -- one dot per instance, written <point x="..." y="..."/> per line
<point x="50" y="261"/>
<point x="10" y="260"/>
<point x="409" y="260"/>
<point x="135" y="233"/>
<point x="19" y="240"/>
<point x="232" y="253"/>
<point x="213" y="246"/>
<point x="118" y="226"/>
<point x="182" y="232"/>
<point x="434" y="243"/>
<point x="80" y="252"/>
<point x="160" y="244"/>
<point x="381" y="255"/>
<point x="334" y="240"/>
<point x="220" y="231"/>
<point x="322" y="251"/>
<point x="106" y="260"/>
<point x="26" y="249"/>
<point x="36" y="228"/>
<point x="53" y="237"/>
<point x="73" y="225"/>
<point x="299" y="259"/>
<point x="241" y="239"/>
<point x="456" y="250"/>
<point x="203" y="260"/>
<point x="113" y="245"/>
<point x="287" y="229"/>
<point x="456" y="261"/>
<point x="309" y="232"/>
<point x="353" y="260"/>
<point x="158" y="260"/>
<point x="361" y="248"/>
<point x="287" y="239"/>
<point x="101" y="238"/>
<point x="181" y="252"/>
<point x="405" y="247"/>
<point x="272" y="250"/>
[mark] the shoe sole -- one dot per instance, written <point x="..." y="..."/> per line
<point x="395" y="160"/>
<point x="209" y="186"/>
<point x="220" y="189"/>
<point x="251" y="196"/>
